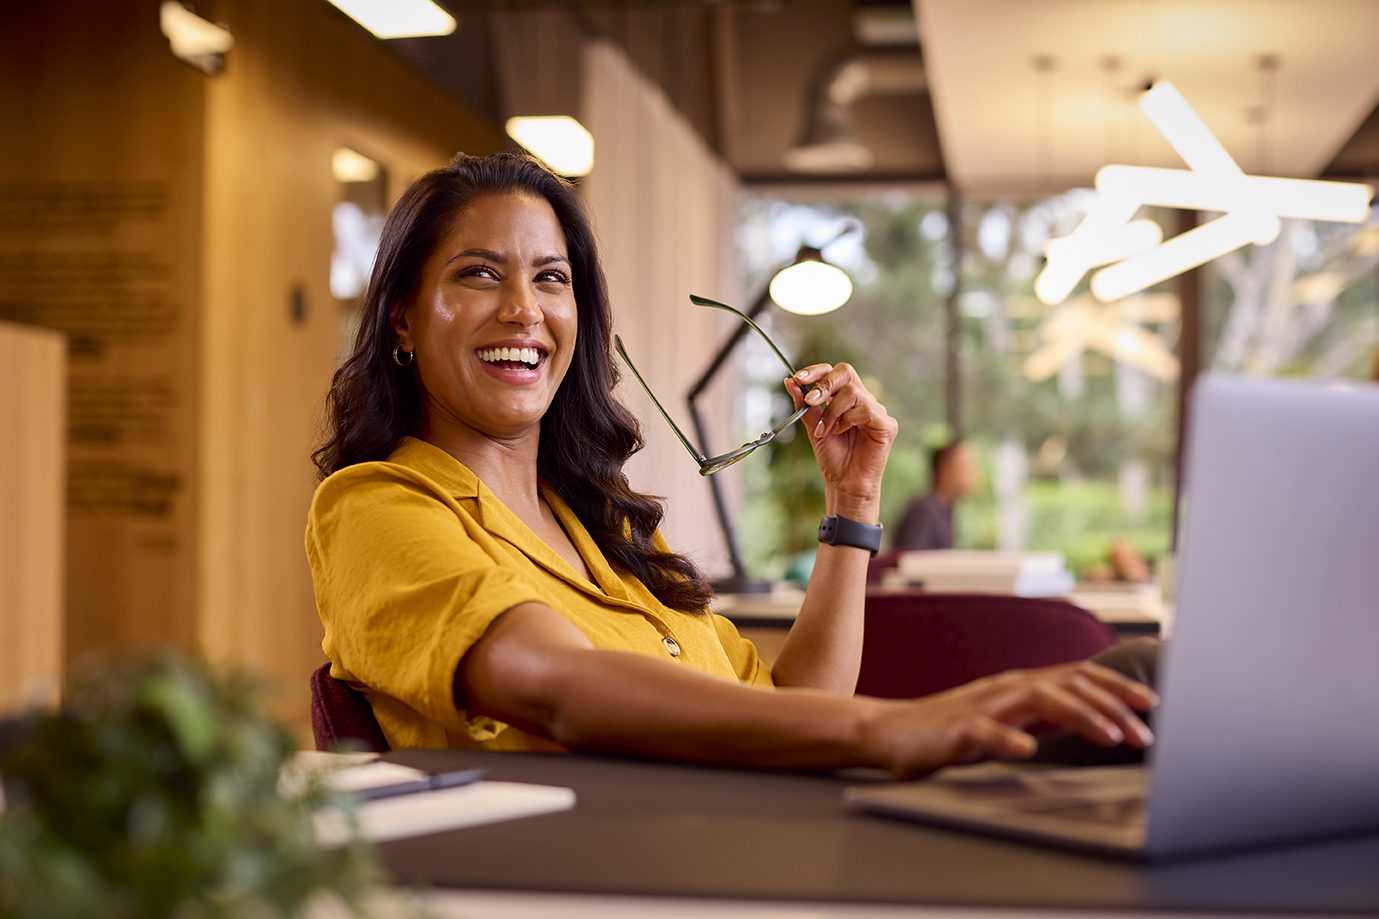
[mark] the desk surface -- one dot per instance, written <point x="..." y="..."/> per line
<point x="652" y="828"/>
<point x="1128" y="608"/>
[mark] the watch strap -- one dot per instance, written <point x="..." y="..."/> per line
<point x="840" y="531"/>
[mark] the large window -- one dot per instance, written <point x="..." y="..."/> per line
<point x="1072" y="409"/>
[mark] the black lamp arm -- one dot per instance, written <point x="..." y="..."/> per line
<point x="720" y="505"/>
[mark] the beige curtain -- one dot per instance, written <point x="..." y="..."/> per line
<point x="665" y="208"/>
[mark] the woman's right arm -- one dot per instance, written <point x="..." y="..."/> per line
<point x="535" y="670"/>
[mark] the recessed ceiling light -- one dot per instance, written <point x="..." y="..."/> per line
<point x="348" y="166"/>
<point x="559" y="141"/>
<point x="398" y="18"/>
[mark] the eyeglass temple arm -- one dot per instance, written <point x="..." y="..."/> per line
<point x="729" y="345"/>
<point x="747" y="318"/>
<point x="698" y="457"/>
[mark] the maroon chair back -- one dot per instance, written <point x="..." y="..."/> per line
<point x="340" y="714"/>
<point x="915" y="644"/>
<point x="878" y="566"/>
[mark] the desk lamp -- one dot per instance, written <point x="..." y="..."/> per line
<point x="807" y="286"/>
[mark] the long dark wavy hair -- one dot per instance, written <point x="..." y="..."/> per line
<point x="586" y="435"/>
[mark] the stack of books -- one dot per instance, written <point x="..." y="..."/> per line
<point x="1024" y="574"/>
<point x="1126" y="604"/>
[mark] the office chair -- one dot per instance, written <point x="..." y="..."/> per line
<point x="915" y="644"/>
<point x="341" y="715"/>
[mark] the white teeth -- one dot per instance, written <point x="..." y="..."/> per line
<point x="525" y="355"/>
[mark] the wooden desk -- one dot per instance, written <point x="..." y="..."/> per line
<point x="644" y="828"/>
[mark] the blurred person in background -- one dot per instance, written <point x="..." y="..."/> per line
<point x="927" y="522"/>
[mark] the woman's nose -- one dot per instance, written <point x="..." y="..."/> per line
<point x="520" y="306"/>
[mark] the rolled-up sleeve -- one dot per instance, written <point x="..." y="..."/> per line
<point x="405" y="585"/>
<point x="746" y="662"/>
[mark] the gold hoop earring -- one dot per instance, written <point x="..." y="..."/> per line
<point x="397" y="356"/>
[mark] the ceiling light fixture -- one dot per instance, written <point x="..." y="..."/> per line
<point x="559" y="141"/>
<point x="1252" y="206"/>
<point x="829" y="144"/>
<point x="398" y="18"/>
<point x="348" y="166"/>
<point x="193" y="40"/>
<point x="886" y="26"/>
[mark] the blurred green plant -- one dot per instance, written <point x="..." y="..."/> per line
<point x="1080" y="519"/>
<point x="155" y="794"/>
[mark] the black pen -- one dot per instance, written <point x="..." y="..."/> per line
<point x="430" y="783"/>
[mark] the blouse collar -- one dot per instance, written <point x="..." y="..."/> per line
<point x="494" y="516"/>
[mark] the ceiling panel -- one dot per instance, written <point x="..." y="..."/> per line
<point x="1006" y="126"/>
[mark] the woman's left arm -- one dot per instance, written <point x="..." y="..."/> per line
<point x="852" y="436"/>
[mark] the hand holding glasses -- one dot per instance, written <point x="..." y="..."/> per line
<point x="708" y="465"/>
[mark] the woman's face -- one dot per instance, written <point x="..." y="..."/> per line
<point x="493" y="322"/>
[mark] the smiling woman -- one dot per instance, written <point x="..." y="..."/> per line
<point x="488" y="579"/>
<point x="492" y="325"/>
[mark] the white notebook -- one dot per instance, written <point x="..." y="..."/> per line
<point x="416" y="814"/>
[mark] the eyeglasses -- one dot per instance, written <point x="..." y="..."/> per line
<point x="708" y="465"/>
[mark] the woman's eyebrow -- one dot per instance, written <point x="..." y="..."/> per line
<point x="502" y="259"/>
<point x="480" y="253"/>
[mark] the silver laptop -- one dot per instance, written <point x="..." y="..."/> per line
<point x="1269" y="726"/>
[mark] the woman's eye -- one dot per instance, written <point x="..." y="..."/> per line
<point x="548" y="277"/>
<point x="479" y="271"/>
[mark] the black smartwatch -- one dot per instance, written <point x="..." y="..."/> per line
<point x="840" y="531"/>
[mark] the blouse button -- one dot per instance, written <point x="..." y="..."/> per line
<point x="671" y="646"/>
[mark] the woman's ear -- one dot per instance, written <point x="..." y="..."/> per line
<point x="397" y="319"/>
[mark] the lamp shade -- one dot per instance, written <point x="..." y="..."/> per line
<point x="810" y="286"/>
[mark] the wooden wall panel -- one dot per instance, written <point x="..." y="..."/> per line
<point x="165" y="220"/>
<point x="33" y="434"/>
<point x="300" y="81"/>
<point x="100" y="214"/>
<point x="665" y="207"/>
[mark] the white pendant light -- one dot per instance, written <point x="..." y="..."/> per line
<point x="559" y="141"/>
<point x="1252" y="206"/>
<point x="398" y="18"/>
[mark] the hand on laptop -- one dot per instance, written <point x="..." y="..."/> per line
<point x="986" y="718"/>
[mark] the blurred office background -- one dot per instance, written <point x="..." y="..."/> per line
<point x="189" y="200"/>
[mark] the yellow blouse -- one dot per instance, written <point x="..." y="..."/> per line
<point x="413" y="557"/>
